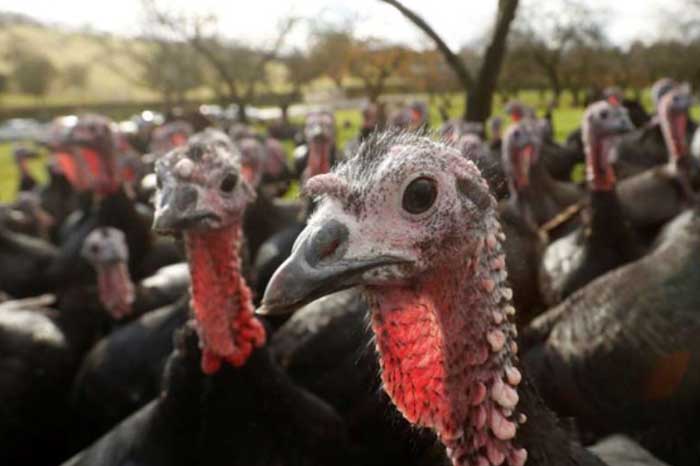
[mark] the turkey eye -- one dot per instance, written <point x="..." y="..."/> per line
<point x="228" y="183"/>
<point x="604" y="114"/>
<point x="419" y="195"/>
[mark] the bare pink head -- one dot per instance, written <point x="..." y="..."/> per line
<point x="252" y="160"/>
<point x="602" y="125"/>
<point x="202" y="194"/>
<point x="520" y="150"/>
<point x="106" y="250"/>
<point x="673" y="116"/>
<point x="320" y="137"/>
<point x="417" y="228"/>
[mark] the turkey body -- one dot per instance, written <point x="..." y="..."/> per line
<point x="122" y="372"/>
<point x="574" y="260"/>
<point x="252" y="415"/>
<point x="621" y="354"/>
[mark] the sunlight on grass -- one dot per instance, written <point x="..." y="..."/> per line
<point x="566" y="119"/>
<point x="9" y="175"/>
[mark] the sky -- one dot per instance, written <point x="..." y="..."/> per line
<point x="459" y="22"/>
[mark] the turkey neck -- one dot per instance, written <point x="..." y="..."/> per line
<point x="319" y="161"/>
<point x="608" y="225"/>
<point x="599" y="171"/>
<point x="117" y="210"/>
<point x="674" y="128"/>
<point x="27" y="180"/>
<point x="221" y="298"/>
<point x="448" y="355"/>
<point x="115" y="288"/>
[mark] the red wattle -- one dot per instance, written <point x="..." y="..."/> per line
<point x="446" y="354"/>
<point x="221" y="299"/>
<point x="599" y="172"/>
<point x="319" y="161"/>
<point x="680" y="124"/>
<point x="116" y="289"/>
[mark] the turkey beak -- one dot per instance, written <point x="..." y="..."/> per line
<point x="176" y="210"/>
<point x="319" y="265"/>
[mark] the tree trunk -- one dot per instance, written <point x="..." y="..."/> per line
<point x="477" y="95"/>
<point x="452" y="59"/>
<point x="556" y="86"/>
<point x="242" y="113"/>
<point x="480" y="103"/>
<point x="285" y="112"/>
<point x="575" y="97"/>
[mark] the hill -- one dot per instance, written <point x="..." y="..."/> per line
<point x="66" y="49"/>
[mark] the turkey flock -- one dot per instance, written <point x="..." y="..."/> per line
<point x="444" y="297"/>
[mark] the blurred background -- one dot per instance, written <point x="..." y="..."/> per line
<point x="268" y="61"/>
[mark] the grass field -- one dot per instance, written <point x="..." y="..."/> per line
<point x="566" y="119"/>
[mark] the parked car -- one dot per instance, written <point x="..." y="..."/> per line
<point x="20" y="128"/>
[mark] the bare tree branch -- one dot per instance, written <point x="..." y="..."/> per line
<point x="477" y="94"/>
<point x="479" y="105"/>
<point x="452" y="59"/>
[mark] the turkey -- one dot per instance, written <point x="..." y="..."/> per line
<point x="24" y="261"/>
<point x="223" y="399"/>
<point x="621" y="353"/>
<point x="22" y="155"/>
<point x="656" y="195"/>
<point x="637" y="114"/>
<point x="319" y="153"/>
<point x="436" y="285"/>
<point x="267" y="215"/>
<point x="648" y="147"/>
<point x="276" y="175"/>
<point x="373" y="119"/>
<point x="607" y="241"/>
<point x="615" y="96"/>
<point x="27" y="216"/>
<point x="559" y="161"/>
<point x="106" y="250"/>
<point x="42" y="341"/>
<point x="91" y="168"/>
<point x="534" y="195"/>
<point x="40" y="349"/>
<point x="122" y="372"/>
<point x="318" y="156"/>
<point x="535" y="199"/>
<point x="326" y="348"/>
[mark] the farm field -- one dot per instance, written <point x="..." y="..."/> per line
<point x="566" y="119"/>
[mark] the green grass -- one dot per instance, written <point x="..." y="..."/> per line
<point x="566" y="119"/>
<point x="9" y="175"/>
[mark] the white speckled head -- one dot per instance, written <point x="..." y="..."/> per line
<point x="104" y="246"/>
<point x="200" y="185"/>
<point x="421" y="189"/>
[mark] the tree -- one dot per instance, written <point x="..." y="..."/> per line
<point x="300" y="69"/>
<point x="33" y="74"/>
<point x="330" y="48"/>
<point x="168" y="66"/>
<point x="519" y="72"/>
<point x="4" y="81"/>
<point x="429" y="73"/>
<point x="547" y="35"/>
<point x="478" y="92"/>
<point x="75" y="75"/>
<point x="240" y="69"/>
<point x="374" y="62"/>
